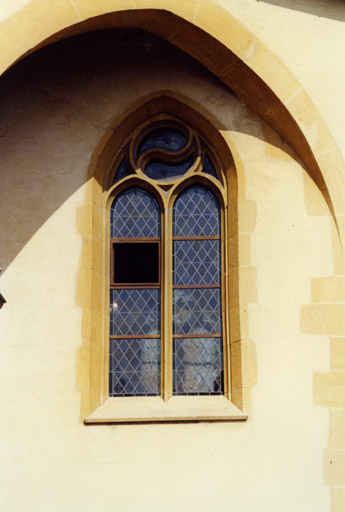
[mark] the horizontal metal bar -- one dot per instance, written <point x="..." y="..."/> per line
<point x="134" y="336"/>
<point x="217" y="335"/>
<point x="192" y="286"/>
<point x="126" y="286"/>
<point x="176" y="238"/>
<point x="134" y="240"/>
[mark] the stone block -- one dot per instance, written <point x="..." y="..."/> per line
<point x="89" y="8"/>
<point x="337" y="353"/>
<point x="328" y="289"/>
<point x="334" y="467"/>
<point x="323" y="319"/>
<point x="329" y="389"/>
<point x="338" y="499"/>
<point x="337" y="428"/>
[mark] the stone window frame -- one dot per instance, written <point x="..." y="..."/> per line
<point x="93" y="282"/>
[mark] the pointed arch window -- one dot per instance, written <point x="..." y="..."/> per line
<point x="135" y="295"/>
<point x="197" y="323"/>
<point x="168" y="327"/>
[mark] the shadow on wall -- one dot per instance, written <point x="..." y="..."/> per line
<point x="55" y="106"/>
<point x="334" y="9"/>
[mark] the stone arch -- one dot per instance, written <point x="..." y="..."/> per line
<point x="224" y="46"/>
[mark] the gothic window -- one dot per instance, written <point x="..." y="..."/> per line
<point x="168" y="261"/>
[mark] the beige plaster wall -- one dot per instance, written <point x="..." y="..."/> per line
<point x="55" y="109"/>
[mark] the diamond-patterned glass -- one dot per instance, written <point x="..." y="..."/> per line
<point x="196" y="213"/>
<point x="135" y="213"/>
<point x="121" y="172"/>
<point x="134" y="312"/>
<point x="164" y="138"/>
<point x="134" y="367"/>
<point x="209" y="168"/>
<point x="196" y="311"/>
<point x="165" y="171"/>
<point x="198" y="366"/>
<point x="196" y="262"/>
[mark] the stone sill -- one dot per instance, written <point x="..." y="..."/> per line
<point x="155" y="410"/>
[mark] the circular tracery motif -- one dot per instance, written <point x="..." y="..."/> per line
<point x="165" y="138"/>
<point x="165" y="153"/>
<point x="166" y="171"/>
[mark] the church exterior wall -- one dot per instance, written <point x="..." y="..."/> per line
<point x="55" y="113"/>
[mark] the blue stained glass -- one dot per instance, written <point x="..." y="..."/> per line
<point x="196" y="262"/>
<point x="209" y="168"/>
<point x="164" y="138"/>
<point x="134" y="312"/>
<point x="196" y="213"/>
<point x="198" y="366"/>
<point x="121" y="172"/>
<point x="164" y="171"/>
<point x="196" y="311"/>
<point x="135" y="213"/>
<point x="134" y="367"/>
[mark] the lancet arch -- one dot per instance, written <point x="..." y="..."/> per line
<point x="106" y="180"/>
<point x="252" y="71"/>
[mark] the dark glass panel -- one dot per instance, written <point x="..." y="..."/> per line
<point x="196" y="262"/>
<point x="198" y="366"/>
<point x="122" y="171"/>
<point x="134" y="367"/>
<point x="134" y="312"/>
<point x="135" y="213"/>
<point x="163" y="171"/>
<point x="209" y="168"/>
<point x="196" y="213"/>
<point x="136" y="263"/>
<point x="196" y="311"/>
<point x="165" y="138"/>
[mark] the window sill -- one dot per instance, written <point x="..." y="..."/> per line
<point x="155" y="410"/>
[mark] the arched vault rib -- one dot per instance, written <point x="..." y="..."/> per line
<point x="217" y="40"/>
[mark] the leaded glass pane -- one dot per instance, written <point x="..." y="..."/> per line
<point x="134" y="214"/>
<point x="196" y="311"/>
<point x="209" y="168"/>
<point x="121" y="172"/>
<point x="134" y="367"/>
<point x="164" y="171"/>
<point x="164" y="138"/>
<point x="198" y="366"/>
<point x="196" y="213"/>
<point x="196" y="262"/>
<point x="134" y="312"/>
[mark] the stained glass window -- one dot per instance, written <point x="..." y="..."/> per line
<point x="197" y="330"/>
<point x="135" y="214"/>
<point x="166" y="171"/>
<point x="134" y="367"/>
<point x="209" y="167"/>
<point x="196" y="213"/>
<point x="198" y="364"/>
<point x="121" y="172"/>
<point x="165" y="292"/>
<point x="169" y="139"/>
<point x="135" y="346"/>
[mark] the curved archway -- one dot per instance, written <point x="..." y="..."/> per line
<point x="215" y="38"/>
